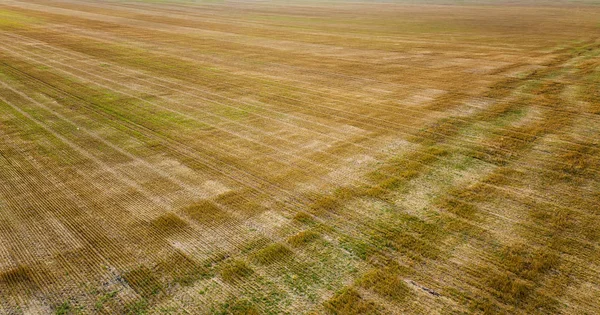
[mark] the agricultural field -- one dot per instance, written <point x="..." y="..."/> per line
<point x="299" y="157"/>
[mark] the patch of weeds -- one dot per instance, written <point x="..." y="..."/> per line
<point x="511" y="114"/>
<point x="168" y="310"/>
<point x="272" y="253"/>
<point x="577" y="159"/>
<point x="206" y="212"/>
<point x="138" y="307"/>
<point x="235" y="271"/>
<point x="357" y="247"/>
<point x="243" y="307"/>
<point x="484" y="305"/>
<point x="396" y="173"/>
<point x="404" y="168"/>
<point x="474" y="193"/>
<point x="440" y="104"/>
<point x="103" y="299"/>
<point x="301" y="276"/>
<point x="414" y="247"/>
<point x="503" y="148"/>
<point x="234" y="306"/>
<point x="508" y="288"/>
<point x="499" y="110"/>
<point x="398" y="235"/>
<point x="385" y="282"/>
<point x="403" y="233"/>
<point x="182" y="269"/>
<point x="549" y="88"/>
<point x="346" y="193"/>
<point x="169" y="223"/>
<point x="143" y="282"/>
<point x="302" y="238"/>
<point x="304" y="218"/>
<point x="541" y="304"/>
<point x="432" y="154"/>
<point x="506" y="86"/>
<point x="464" y="229"/>
<point x="558" y="218"/>
<point x="458" y="207"/>
<point x="16" y="276"/>
<point x="563" y="219"/>
<point x="417" y="225"/>
<point x="397" y="183"/>
<point x="527" y="263"/>
<point x="64" y="309"/>
<point x="439" y="131"/>
<point x="591" y="94"/>
<point x="522" y="271"/>
<point x="237" y="200"/>
<point x="348" y="301"/>
<point x="254" y="244"/>
<point x="325" y="203"/>
<point x="573" y="163"/>
<point x="215" y="259"/>
<point x="501" y="176"/>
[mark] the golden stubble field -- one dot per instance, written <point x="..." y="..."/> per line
<point x="299" y="157"/>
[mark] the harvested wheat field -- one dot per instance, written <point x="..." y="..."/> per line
<point x="299" y="157"/>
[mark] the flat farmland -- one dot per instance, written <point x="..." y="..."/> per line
<point x="268" y="157"/>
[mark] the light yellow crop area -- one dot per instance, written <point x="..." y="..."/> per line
<point x="299" y="157"/>
<point x="11" y="20"/>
